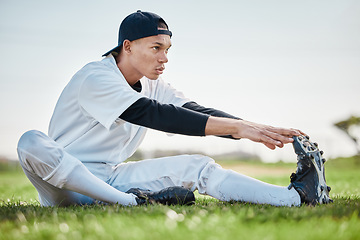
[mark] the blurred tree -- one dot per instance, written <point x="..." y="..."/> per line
<point x="349" y="126"/>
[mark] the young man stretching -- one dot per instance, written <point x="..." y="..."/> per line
<point x="101" y="118"/>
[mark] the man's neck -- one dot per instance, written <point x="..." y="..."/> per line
<point x="130" y="75"/>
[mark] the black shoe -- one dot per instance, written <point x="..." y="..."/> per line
<point x="309" y="179"/>
<point x="167" y="196"/>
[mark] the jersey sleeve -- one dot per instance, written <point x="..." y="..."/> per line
<point x="104" y="96"/>
<point x="212" y="112"/>
<point x="166" y="117"/>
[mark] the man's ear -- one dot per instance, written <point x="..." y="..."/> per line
<point x="127" y="46"/>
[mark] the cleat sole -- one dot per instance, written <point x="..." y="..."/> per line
<point x="304" y="148"/>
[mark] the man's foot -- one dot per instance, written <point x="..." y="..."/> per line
<point x="168" y="196"/>
<point x="309" y="179"/>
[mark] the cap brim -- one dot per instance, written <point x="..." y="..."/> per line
<point x="115" y="49"/>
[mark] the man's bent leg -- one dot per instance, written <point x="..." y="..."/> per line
<point x="57" y="175"/>
<point x="50" y="195"/>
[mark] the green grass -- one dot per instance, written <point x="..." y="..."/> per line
<point x="21" y="216"/>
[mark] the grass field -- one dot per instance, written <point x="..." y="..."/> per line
<point x="21" y="216"/>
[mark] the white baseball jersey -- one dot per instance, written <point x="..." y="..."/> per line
<point x="86" y="117"/>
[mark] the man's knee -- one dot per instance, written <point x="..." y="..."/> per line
<point x="202" y="159"/>
<point x="211" y="174"/>
<point x="38" y="153"/>
<point x="29" y="139"/>
<point x="26" y="145"/>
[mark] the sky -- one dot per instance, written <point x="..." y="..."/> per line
<point x="284" y="63"/>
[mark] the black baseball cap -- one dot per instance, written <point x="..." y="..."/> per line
<point x="139" y="25"/>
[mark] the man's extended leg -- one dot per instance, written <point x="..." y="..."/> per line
<point x="239" y="187"/>
<point x="57" y="175"/>
<point x="201" y="173"/>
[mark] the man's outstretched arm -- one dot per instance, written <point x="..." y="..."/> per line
<point x="252" y="131"/>
<point x="169" y="118"/>
<point x="271" y="137"/>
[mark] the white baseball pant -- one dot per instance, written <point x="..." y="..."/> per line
<point x="62" y="179"/>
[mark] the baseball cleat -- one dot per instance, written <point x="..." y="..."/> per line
<point x="168" y="196"/>
<point x="309" y="179"/>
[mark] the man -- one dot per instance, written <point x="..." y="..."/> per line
<point x="101" y="118"/>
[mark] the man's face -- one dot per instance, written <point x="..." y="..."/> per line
<point x="149" y="55"/>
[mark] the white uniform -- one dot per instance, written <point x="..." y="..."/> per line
<point x="87" y="113"/>
<point x="87" y="134"/>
